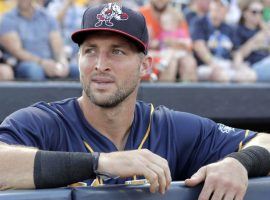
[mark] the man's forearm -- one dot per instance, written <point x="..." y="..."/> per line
<point x="57" y="46"/>
<point x="256" y="155"/>
<point x="203" y="52"/>
<point x="12" y="43"/>
<point x="24" y="167"/>
<point x="262" y="139"/>
<point x="58" y="169"/>
<point x="24" y="55"/>
<point x="17" y="165"/>
<point x="252" y="44"/>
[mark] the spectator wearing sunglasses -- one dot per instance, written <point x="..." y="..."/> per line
<point x="252" y="40"/>
<point x="213" y="45"/>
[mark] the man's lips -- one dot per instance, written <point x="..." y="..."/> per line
<point x="102" y="83"/>
<point x="102" y="80"/>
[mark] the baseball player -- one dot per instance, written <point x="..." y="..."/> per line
<point x="107" y="137"/>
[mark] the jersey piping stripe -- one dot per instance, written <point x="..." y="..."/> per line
<point x="241" y="143"/>
<point x="97" y="181"/>
<point x="146" y="134"/>
<point x="148" y="129"/>
<point x="88" y="147"/>
<point x="140" y="146"/>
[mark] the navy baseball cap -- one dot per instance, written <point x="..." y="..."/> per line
<point x="115" y="18"/>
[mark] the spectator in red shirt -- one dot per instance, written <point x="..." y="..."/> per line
<point x="172" y="56"/>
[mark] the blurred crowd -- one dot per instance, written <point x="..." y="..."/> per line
<point x="190" y="40"/>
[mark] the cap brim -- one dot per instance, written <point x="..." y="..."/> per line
<point x="79" y="36"/>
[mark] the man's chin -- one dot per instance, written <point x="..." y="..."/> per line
<point x="105" y="104"/>
<point x="103" y="99"/>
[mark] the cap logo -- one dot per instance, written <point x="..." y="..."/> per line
<point x="110" y="11"/>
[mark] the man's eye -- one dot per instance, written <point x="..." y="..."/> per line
<point x="89" y="51"/>
<point x="118" y="52"/>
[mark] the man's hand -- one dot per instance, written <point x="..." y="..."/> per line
<point x="54" y="69"/>
<point x="138" y="162"/>
<point x="224" y="180"/>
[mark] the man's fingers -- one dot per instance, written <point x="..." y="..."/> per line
<point x="218" y="194"/>
<point x="196" y="178"/>
<point x="160" y="166"/>
<point x="240" y="194"/>
<point x="224" y="180"/>
<point x="207" y="191"/>
<point x="168" y="178"/>
<point x="161" y="176"/>
<point x="235" y="193"/>
<point x="152" y="177"/>
<point x="238" y="198"/>
<point x="138" y="162"/>
<point x="230" y="196"/>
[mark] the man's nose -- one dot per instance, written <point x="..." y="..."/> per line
<point x="102" y="63"/>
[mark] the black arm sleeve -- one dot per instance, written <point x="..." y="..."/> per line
<point x="58" y="169"/>
<point x="255" y="159"/>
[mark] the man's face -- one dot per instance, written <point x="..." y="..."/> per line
<point x="24" y="4"/>
<point x="110" y="68"/>
<point x="217" y="13"/>
<point x="159" y="5"/>
<point x="253" y="14"/>
<point x="203" y="5"/>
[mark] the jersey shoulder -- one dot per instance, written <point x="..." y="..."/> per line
<point x="40" y="112"/>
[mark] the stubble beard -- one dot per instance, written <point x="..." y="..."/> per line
<point x="122" y="92"/>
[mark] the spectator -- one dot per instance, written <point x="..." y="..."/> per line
<point x="174" y="31"/>
<point x="175" y="48"/>
<point x="196" y="8"/>
<point x="213" y="44"/>
<point x="32" y="36"/>
<point x="68" y="15"/>
<point x="170" y="63"/>
<point x="253" y="40"/>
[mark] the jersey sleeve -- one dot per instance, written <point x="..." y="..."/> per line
<point x="30" y="126"/>
<point x="201" y="141"/>
<point x="7" y="25"/>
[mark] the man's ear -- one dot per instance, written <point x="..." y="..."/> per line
<point x="146" y="65"/>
